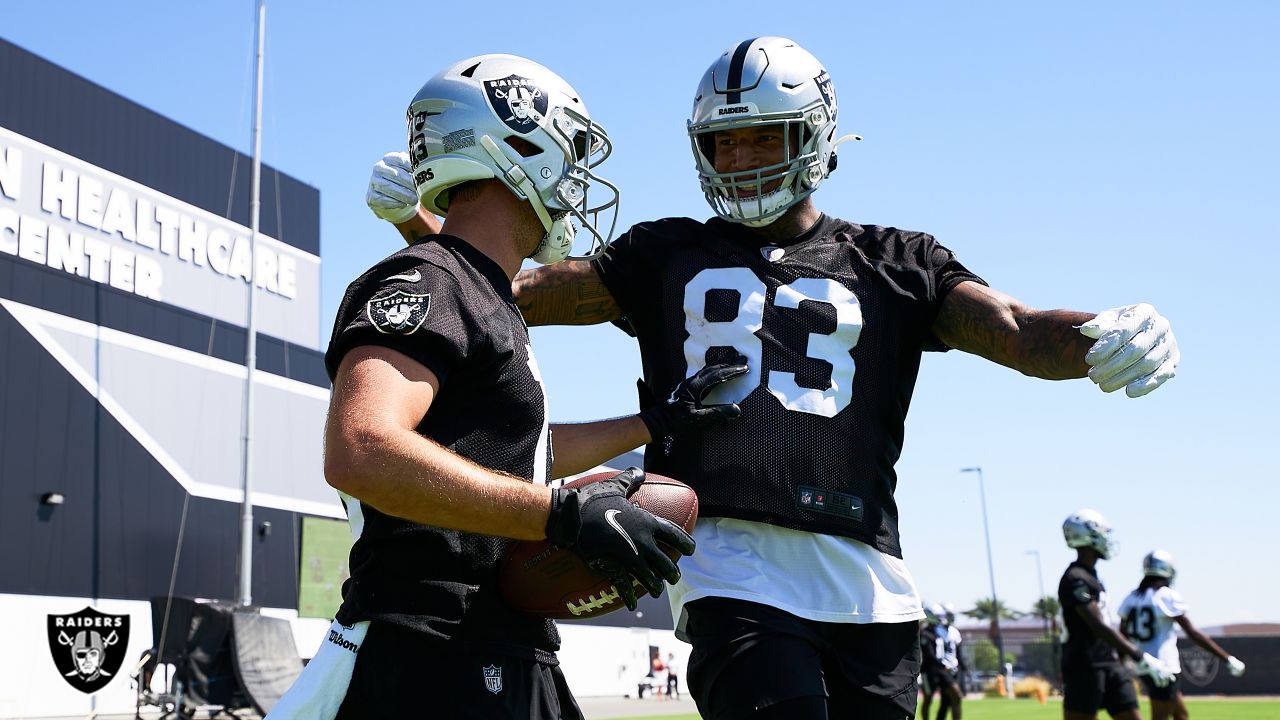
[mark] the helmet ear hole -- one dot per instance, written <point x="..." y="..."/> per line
<point x="522" y="146"/>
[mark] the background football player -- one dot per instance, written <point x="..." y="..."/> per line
<point x="936" y="676"/>
<point x="437" y="433"/>
<point x="832" y="318"/>
<point x="952" y="664"/>
<point x="1092" y="675"/>
<point x="1148" y="616"/>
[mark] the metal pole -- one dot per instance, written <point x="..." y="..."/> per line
<point x="1040" y="577"/>
<point x="991" y="572"/>
<point x="251" y="340"/>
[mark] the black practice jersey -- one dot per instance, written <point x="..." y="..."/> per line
<point x="832" y="327"/>
<point x="1080" y="586"/>
<point x="931" y="648"/>
<point x="449" y="307"/>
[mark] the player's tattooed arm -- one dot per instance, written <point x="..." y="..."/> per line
<point x="566" y="293"/>
<point x="1040" y="343"/>
<point x="419" y="226"/>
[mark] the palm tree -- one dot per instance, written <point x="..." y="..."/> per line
<point x="985" y="609"/>
<point x="1047" y="609"/>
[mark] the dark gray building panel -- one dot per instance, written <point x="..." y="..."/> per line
<point x="116" y="534"/>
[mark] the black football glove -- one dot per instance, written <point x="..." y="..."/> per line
<point x="685" y="407"/>
<point x="616" y="538"/>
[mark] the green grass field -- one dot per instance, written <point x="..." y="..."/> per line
<point x="1031" y="710"/>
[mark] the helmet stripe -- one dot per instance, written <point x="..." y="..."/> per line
<point x="734" y="82"/>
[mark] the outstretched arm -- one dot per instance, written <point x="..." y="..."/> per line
<point x="1200" y="638"/>
<point x="582" y="446"/>
<point x="1130" y="347"/>
<point x="1040" y="343"/>
<point x="567" y="293"/>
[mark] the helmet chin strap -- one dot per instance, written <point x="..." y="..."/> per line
<point x="558" y="240"/>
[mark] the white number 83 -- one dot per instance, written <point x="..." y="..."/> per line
<point x="739" y="333"/>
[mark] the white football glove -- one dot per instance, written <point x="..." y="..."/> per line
<point x="393" y="195"/>
<point x="1136" y="349"/>
<point x="1234" y="666"/>
<point x="1151" y="666"/>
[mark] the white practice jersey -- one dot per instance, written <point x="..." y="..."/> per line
<point x="1147" y="619"/>
<point x="951" y="648"/>
<point x="830" y="578"/>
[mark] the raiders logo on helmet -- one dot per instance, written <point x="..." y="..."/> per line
<point x="398" y="312"/>
<point x="517" y="101"/>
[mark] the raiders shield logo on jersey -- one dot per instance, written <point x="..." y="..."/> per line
<point x="517" y="101"/>
<point x="398" y="312"/>
<point x="88" y="647"/>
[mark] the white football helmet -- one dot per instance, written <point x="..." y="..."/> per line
<point x="934" y="613"/>
<point x="765" y="81"/>
<point x="462" y="127"/>
<point x="950" y="609"/>
<point x="1087" y="528"/>
<point x="1159" y="563"/>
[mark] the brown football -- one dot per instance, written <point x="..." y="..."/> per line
<point x="539" y="578"/>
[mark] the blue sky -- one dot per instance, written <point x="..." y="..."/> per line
<point x="1077" y="155"/>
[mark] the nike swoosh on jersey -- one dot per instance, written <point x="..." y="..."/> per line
<point x="414" y="276"/>
<point x="610" y="517"/>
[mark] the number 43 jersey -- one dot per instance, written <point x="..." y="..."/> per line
<point x="1147" y="617"/>
<point x="832" y="325"/>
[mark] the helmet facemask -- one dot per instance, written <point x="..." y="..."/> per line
<point x="739" y="196"/>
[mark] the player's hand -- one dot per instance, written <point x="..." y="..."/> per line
<point x="1234" y="666"/>
<point x="616" y="538"/>
<point x="685" y="406"/>
<point x="1135" y="349"/>
<point x="393" y="195"/>
<point x="1151" y="666"/>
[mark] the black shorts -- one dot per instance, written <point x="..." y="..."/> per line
<point x="1163" y="694"/>
<point x="938" y="680"/>
<point x="401" y="674"/>
<point x="748" y="656"/>
<point x="1091" y="689"/>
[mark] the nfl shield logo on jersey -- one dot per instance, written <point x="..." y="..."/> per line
<point x="398" y="312"/>
<point x="88" y="647"/>
<point x="493" y="679"/>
